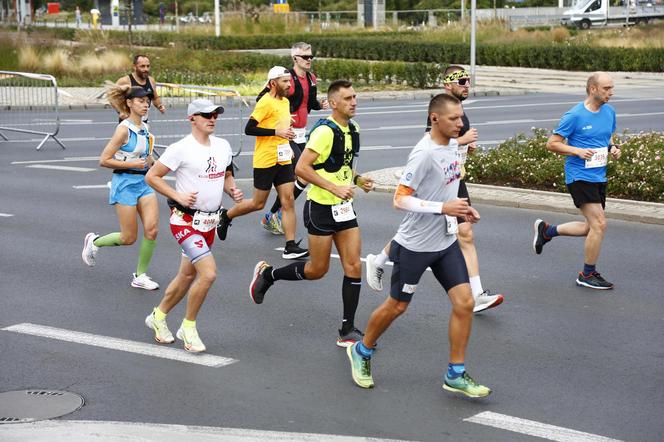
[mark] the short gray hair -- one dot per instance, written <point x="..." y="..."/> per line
<point x="299" y="46"/>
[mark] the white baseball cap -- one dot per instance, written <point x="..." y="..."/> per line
<point x="276" y="72"/>
<point x="204" y="106"/>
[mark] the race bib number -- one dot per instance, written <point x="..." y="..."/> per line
<point x="300" y="135"/>
<point x="284" y="153"/>
<point x="451" y="225"/>
<point x="599" y="158"/>
<point x="462" y="154"/>
<point x="343" y="212"/>
<point x="204" y="221"/>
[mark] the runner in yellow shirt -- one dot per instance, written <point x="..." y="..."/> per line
<point x="270" y="123"/>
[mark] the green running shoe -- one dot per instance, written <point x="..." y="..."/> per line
<point x="464" y="384"/>
<point x="360" y="367"/>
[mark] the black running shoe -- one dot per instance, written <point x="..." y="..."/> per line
<point x="593" y="281"/>
<point x="294" y="251"/>
<point x="259" y="285"/>
<point x="350" y="338"/>
<point x="539" y="240"/>
<point x="224" y="224"/>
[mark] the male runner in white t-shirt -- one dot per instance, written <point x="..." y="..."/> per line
<point x="203" y="167"/>
<point x="426" y="238"/>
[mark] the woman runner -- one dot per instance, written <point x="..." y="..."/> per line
<point x="129" y="154"/>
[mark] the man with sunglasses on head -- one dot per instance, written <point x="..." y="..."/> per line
<point x="270" y="123"/>
<point x="140" y="77"/>
<point x="302" y="97"/>
<point x="456" y="82"/>
<point x="203" y="167"/>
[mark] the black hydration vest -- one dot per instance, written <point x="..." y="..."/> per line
<point x="295" y="100"/>
<point x="147" y="86"/>
<point x="337" y="156"/>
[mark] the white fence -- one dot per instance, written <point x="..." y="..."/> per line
<point x="29" y="104"/>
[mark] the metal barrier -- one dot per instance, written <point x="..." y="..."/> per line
<point x="29" y="106"/>
<point x="174" y="125"/>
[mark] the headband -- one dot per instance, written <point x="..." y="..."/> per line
<point x="454" y="76"/>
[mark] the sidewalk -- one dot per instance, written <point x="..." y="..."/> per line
<point x="638" y="211"/>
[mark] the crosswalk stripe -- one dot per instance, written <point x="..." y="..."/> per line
<point x="534" y="428"/>
<point x="119" y="344"/>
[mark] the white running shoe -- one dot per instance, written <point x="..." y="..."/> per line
<point x="161" y="332"/>
<point x="486" y="300"/>
<point x="143" y="281"/>
<point x="374" y="273"/>
<point x="192" y="342"/>
<point x="89" y="253"/>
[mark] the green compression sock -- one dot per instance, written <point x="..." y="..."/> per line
<point x="145" y="255"/>
<point x="112" y="239"/>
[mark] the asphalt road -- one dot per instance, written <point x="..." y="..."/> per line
<point x="553" y="353"/>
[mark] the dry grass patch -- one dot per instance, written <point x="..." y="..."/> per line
<point x="28" y="59"/>
<point x="57" y="62"/>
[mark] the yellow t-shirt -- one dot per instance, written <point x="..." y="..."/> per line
<point x="271" y="113"/>
<point x="320" y="141"/>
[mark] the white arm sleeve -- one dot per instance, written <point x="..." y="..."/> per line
<point x="414" y="204"/>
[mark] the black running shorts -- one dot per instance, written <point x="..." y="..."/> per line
<point x="448" y="267"/>
<point x="584" y="192"/>
<point x="463" y="193"/>
<point x="278" y="174"/>
<point x="319" y="221"/>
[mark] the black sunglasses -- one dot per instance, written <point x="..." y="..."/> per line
<point x="306" y="57"/>
<point x="208" y="115"/>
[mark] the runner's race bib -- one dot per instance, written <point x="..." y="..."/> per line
<point x="462" y="154"/>
<point x="300" y="135"/>
<point x="599" y="158"/>
<point x="205" y="221"/>
<point x="284" y="153"/>
<point x="451" y="225"/>
<point x="343" y="212"/>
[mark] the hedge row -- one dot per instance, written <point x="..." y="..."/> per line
<point x="525" y="162"/>
<point x="552" y="56"/>
<point x="418" y="75"/>
<point x="390" y="47"/>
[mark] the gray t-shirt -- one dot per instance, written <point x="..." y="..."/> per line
<point x="433" y="171"/>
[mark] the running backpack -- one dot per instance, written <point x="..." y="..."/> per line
<point x="337" y="155"/>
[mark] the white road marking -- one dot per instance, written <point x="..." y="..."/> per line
<point x="175" y="354"/>
<point x="62" y="431"/>
<point x="67" y="168"/>
<point x="6" y="215"/>
<point x="534" y="428"/>
<point x="93" y="186"/>
<point x="62" y="160"/>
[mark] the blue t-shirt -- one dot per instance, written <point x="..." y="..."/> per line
<point x="587" y="130"/>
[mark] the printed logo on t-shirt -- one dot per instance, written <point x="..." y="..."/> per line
<point x="588" y="127"/>
<point x="452" y="172"/>
<point x="211" y="171"/>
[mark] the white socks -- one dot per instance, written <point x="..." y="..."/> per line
<point x="476" y="286"/>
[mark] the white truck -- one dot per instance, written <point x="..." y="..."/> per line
<point x="587" y="13"/>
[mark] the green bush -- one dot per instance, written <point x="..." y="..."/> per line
<point x="525" y="162"/>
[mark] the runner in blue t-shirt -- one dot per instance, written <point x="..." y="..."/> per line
<point x="588" y="131"/>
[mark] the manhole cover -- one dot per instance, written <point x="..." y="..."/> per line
<point x="34" y="405"/>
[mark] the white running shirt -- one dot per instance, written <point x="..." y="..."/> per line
<point x="433" y="171"/>
<point x="199" y="168"/>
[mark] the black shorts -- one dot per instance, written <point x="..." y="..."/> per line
<point x="319" y="221"/>
<point x="277" y="175"/>
<point x="448" y="267"/>
<point x="463" y="193"/>
<point x="584" y="192"/>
